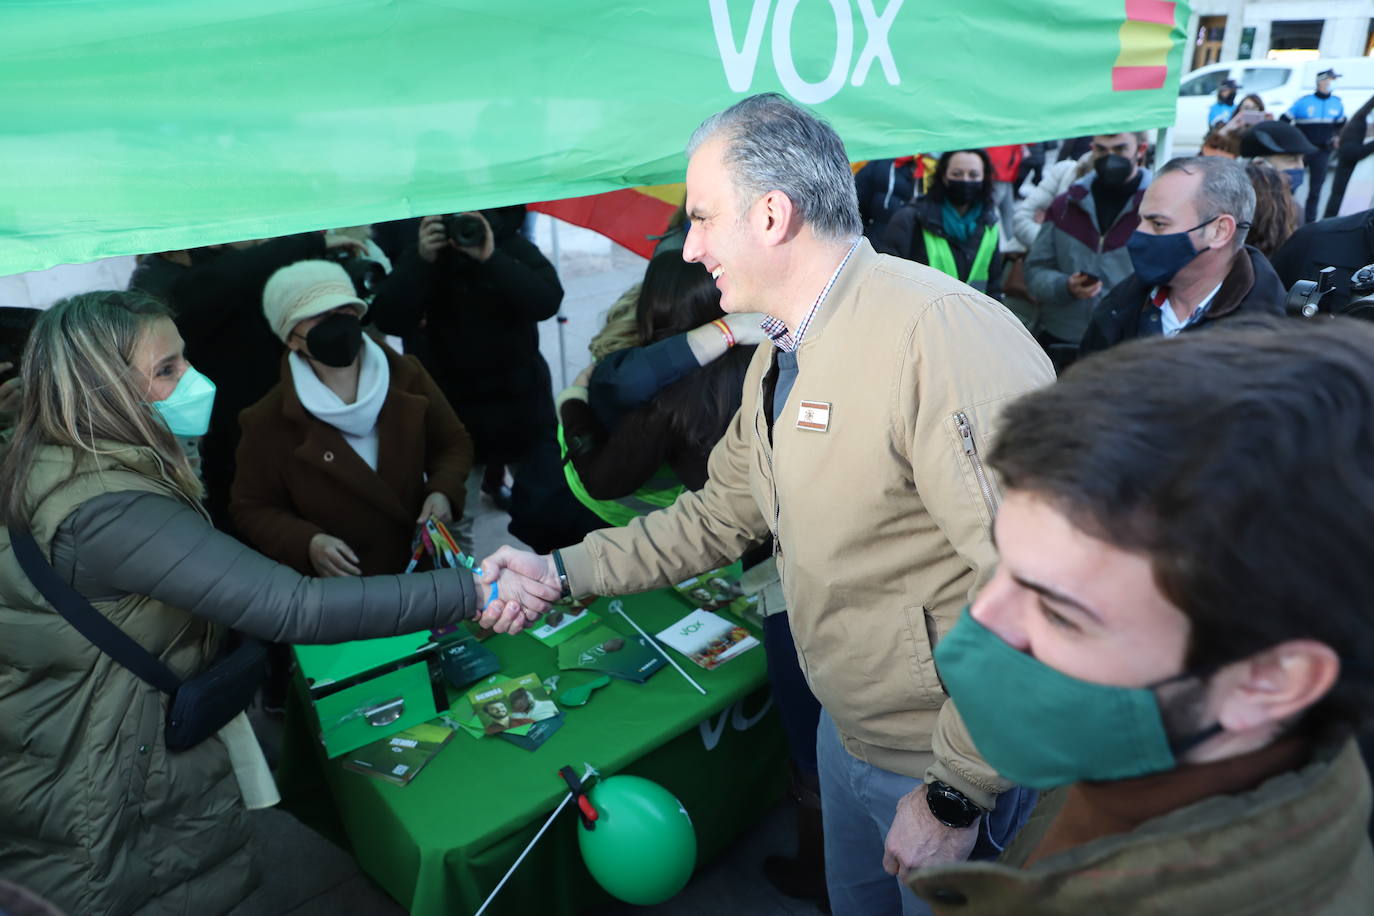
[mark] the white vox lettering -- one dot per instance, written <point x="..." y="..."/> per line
<point x="741" y="62"/>
<point x="712" y="729"/>
<point x="798" y="88"/>
<point x="877" y="47"/>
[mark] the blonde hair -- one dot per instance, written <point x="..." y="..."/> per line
<point x="621" y="329"/>
<point x="79" y="386"/>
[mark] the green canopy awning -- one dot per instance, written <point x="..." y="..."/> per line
<point x="130" y="126"/>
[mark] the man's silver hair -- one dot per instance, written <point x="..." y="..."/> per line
<point x="772" y="144"/>
<point x="1225" y="189"/>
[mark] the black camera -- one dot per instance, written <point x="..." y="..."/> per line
<point x="366" y="275"/>
<point x="466" y="230"/>
<point x="1306" y="298"/>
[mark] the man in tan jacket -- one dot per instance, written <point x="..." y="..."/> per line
<point x="858" y="451"/>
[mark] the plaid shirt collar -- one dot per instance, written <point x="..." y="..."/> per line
<point x="777" y="331"/>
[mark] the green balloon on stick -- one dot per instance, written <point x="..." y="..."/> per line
<point x="643" y="848"/>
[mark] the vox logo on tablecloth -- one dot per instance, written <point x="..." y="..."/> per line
<point x="740" y="59"/>
<point x="712" y="729"/>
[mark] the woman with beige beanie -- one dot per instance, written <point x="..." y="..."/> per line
<point x="355" y="445"/>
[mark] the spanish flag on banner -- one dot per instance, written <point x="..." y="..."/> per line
<point x="1146" y="40"/>
<point x="632" y="217"/>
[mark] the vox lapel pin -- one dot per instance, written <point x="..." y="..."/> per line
<point x="814" y="415"/>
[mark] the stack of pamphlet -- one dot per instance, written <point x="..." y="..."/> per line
<point x="399" y="758"/>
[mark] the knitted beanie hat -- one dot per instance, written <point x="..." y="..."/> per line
<point x="303" y="290"/>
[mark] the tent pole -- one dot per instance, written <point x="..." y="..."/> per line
<point x="560" y="317"/>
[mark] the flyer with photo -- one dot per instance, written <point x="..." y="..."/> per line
<point x="712" y="590"/>
<point x="400" y="757"/>
<point x="604" y="649"/>
<point x="707" y="639"/>
<point x="564" y="621"/>
<point x="511" y="705"/>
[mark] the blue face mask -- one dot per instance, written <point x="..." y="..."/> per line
<point x="1156" y="258"/>
<point x="186" y="411"/>
<point x="1295" y="178"/>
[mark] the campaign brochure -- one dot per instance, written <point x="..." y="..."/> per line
<point x="466" y="661"/>
<point x="562" y="622"/>
<point x="400" y="757"/>
<point x="606" y="650"/>
<point x="518" y="707"/>
<point x="712" y="590"/>
<point x="707" y="639"/>
<point x="534" y="735"/>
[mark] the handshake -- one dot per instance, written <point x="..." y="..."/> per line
<point x="526" y="585"/>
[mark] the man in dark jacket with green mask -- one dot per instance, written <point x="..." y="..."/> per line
<point x="1176" y="647"/>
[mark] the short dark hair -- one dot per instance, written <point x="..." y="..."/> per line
<point x="1240" y="461"/>
<point x="937" y="184"/>
<point x="1224" y="189"/>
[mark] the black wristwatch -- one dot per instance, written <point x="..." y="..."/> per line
<point x="562" y="575"/>
<point x="950" y="806"/>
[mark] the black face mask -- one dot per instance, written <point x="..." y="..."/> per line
<point x="1113" y="171"/>
<point x="963" y="192"/>
<point x="336" y="340"/>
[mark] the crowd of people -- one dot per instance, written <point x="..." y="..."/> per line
<point x="1034" y="642"/>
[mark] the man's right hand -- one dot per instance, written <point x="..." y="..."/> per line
<point x="523" y="577"/>
<point x="332" y="557"/>
<point x="1082" y="286"/>
<point x="433" y="238"/>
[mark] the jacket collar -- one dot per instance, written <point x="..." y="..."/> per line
<point x="1250" y="283"/>
<point x="1080" y="195"/>
<point x="861" y="263"/>
<point x="1301" y="833"/>
<point x="323" y="447"/>
<point x="1093" y="810"/>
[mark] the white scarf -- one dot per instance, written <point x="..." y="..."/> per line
<point x="357" y="421"/>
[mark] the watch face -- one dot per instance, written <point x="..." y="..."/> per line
<point x="950" y="807"/>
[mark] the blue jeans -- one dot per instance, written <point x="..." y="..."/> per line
<point x="858" y="803"/>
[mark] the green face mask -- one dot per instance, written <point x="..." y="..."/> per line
<point x="1040" y="728"/>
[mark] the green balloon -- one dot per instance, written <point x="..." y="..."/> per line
<point x="643" y="849"/>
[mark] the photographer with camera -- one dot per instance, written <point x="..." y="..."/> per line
<point x="1345" y="243"/>
<point x="467" y="298"/>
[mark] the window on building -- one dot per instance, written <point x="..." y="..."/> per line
<point x="1296" y="35"/>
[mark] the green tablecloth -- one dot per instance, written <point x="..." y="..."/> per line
<point x="440" y="844"/>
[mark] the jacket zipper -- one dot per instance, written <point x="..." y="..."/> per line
<point x="971" y="451"/>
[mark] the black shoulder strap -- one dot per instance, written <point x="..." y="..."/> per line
<point x="89" y="622"/>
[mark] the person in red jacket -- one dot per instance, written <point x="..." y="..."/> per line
<point x="1006" y="163"/>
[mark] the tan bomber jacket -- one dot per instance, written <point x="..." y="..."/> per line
<point x="876" y="493"/>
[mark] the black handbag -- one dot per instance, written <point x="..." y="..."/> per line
<point x="200" y="705"/>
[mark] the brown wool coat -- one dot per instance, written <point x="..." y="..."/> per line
<point x="297" y="476"/>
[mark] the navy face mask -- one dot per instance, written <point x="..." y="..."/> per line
<point x="1157" y="258"/>
<point x="1295" y="178"/>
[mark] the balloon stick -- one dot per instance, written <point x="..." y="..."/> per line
<point x="618" y="608"/>
<point x="556" y="811"/>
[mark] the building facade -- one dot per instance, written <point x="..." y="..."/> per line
<point x="1259" y="29"/>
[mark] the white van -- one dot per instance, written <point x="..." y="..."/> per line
<point x="1279" y="83"/>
